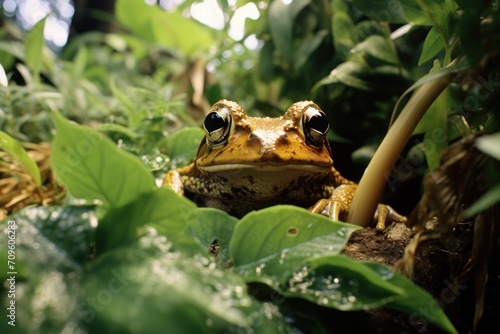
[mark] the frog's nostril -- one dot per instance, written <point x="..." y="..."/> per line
<point x="253" y="139"/>
<point x="282" y="140"/>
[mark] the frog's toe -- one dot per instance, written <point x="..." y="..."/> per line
<point x="386" y="214"/>
<point x="327" y="207"/>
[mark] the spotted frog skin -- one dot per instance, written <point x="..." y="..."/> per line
<point x="249" y="163"/>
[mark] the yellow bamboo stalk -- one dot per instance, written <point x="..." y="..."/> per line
<point x="371" y="186"/>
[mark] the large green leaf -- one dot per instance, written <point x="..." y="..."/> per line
<point x="286" y="234"/>
<point x="62" y="233"/>
<point x="148" y="288"/>
<point x="93" y="168"/>
<point x="168" y="212"/>
<point x="297" y="253"/>
<point x="413" y="301"/>
<point x="51" y="244"/>
<point x="169" y="29"/>
<point x="339" y="282"/>
<point x="11" y="146"/>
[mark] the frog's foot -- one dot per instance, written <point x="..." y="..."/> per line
<point x="335" y="209"/>
<point x="386" y="214"/>
<point x="330" y="208"/>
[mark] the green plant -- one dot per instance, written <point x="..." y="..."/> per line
<point x="151" y="248"/>
<point x="149" y="256"/>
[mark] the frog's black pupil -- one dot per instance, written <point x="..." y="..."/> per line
<point x="214" y="122"/>
<point x="319" y="122"/>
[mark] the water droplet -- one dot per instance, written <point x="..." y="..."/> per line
<point x="209" y="322"/>
<point x="309" y="225"/>
<point x="258" y="270"/>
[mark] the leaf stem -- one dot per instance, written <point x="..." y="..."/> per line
<point x="377" y="173"/>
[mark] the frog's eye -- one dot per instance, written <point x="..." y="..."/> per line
<point x="315" y="126"/>
<point x="217" y="126"/>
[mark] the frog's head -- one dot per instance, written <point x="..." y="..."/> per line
<point x="294" y="142"/>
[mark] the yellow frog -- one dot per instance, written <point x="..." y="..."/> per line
<point x="248" y="163"/>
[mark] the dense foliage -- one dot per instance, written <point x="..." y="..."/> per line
<point x="141" y="92"/>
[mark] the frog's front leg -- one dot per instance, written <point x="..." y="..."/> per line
<point x="173" y="178"/>
<point x="173" y="181"/>
<point x="337" y="207"/>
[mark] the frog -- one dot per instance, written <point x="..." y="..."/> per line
<point x="248" y="163"/>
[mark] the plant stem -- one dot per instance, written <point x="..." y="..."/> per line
<point x="377" y="173"/>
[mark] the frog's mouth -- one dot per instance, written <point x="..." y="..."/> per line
<point x="265" y="167"/>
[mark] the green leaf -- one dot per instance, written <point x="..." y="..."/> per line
<point x="382" y="10"/>
<point x="437" y="11"/>
<point x="266" y="68"/>
<point x="112" y="127"/>
<point x="15" y="49"/>
<point x="413" y="301"/>
<point x="487" y="200"/>
<point x="344" y="36"/>
<point x="490" y="145"/>
<point x="12" y="147"/>
<point x="436" y="135"/>
<point x="211" y="224"/>
<point x="281" y="232"/>
<point x="34" y="44"/>
<point x="433" y="44"/>
<point x="340" y="282"/>
<point x="361" y="76"/>
<point x="163" y="209"/>
<point x="415" y="13"/>
<point x="50" y="246"/>
<point x="93" y="168"/>
<point x="306" y="48"/>
<point x="378" y="47"/>
<point x="393" y="11"/>
<point x="280" y="26"/>
<point x="296" y="7"/>
<point x="183" y="145"/>
<point x="169" y="29"/>
<point x="67" y="231"/>
<point x="147" y="286"/>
